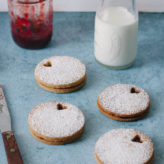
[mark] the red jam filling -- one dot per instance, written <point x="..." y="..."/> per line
<point x="32" y="34"/>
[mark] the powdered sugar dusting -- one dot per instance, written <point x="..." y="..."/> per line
<point x="63" y="70"/>
<point x="119" y="99"/>
<point x="47" y="120"/>
<point x="116" y="147"/>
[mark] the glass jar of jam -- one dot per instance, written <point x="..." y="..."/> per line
<point x="31" y="22"/>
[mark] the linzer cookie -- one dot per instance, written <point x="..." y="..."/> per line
<point x="124" y="102"/>
<point x="60" y="74"/>
<point x="124" y="146"/>
<point x="56" y="123"/>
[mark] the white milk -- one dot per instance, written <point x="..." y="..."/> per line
<point x="115" y="37"/>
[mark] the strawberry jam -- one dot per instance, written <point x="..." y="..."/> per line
<point x="31" y="25"/>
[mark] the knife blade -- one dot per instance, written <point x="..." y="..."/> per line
<point x="5" y="121"/>
<point x="11" y="147"/>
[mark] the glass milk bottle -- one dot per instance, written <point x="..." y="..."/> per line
<point x="116" y="28"/>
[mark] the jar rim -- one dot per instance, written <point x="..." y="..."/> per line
<point x="27" y="2"/>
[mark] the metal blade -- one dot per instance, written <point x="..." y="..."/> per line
<point x="5" y="121"/>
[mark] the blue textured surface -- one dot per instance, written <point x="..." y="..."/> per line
<point x="73" y="36"/>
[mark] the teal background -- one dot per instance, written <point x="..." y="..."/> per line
<point x="73" y="36"/>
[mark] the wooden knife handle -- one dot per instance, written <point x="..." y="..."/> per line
<point x="11" y="147"/>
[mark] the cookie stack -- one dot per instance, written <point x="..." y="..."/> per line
<point x="124" y="102"/>
<point x="60" y="74"/>
<point x="124" y="146"/>
<point x="56" y="123"/>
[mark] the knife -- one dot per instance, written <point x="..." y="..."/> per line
<point x="11" y="147"/>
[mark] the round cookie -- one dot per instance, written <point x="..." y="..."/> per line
<point x="60" y="74"/>
<point x="124" y="102"/>
<point x="56" y="123"/>
<point x="124" y="146"/>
